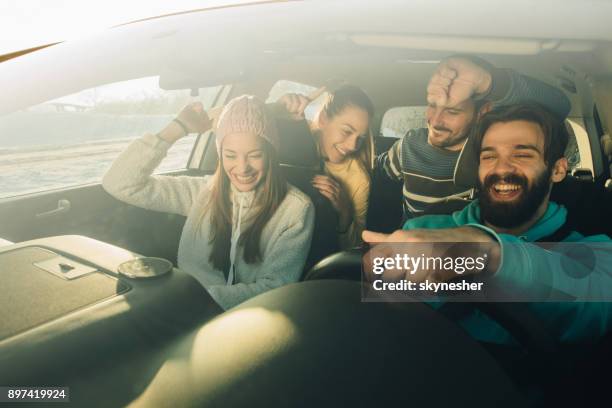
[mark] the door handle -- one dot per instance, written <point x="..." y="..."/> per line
<point x="63" y="206"/>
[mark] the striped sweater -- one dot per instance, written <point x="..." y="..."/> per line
<point x="427" y="172"/>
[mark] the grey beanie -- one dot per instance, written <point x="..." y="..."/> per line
<point x="246" y="114"/>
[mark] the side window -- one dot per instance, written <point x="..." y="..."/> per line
<point x="72" y="140"/>
<point x="397" y="121"/>
<point x="283" y="87"/>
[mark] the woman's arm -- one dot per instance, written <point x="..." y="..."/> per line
<point x="284" y="264"/>
<point x="352" y="237"/>
<point x="338" y="196"/>
<point x="130" y="177"/>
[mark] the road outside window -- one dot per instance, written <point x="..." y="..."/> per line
<point x="72" y="140"/>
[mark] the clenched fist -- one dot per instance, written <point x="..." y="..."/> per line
<point x="294" y="104"/>
<point x="195" y="118"/>
<point x="456" y="80"/>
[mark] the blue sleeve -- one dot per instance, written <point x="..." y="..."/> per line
<point x="521" y="88"/>
<point x="589" y="315"/>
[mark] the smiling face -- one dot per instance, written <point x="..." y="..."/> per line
<point x="244" y="160"/>
<point x="514" y="179"/>
<point x="448" y="127"/>
<point x="343" y="134"/>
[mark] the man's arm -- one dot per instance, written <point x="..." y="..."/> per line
<point x="509" y="88"/>
<point x="389" y="163"/>
<point x="458" y="78"/>
<point x="584" y="273"/>
<point x="528" y="268"/>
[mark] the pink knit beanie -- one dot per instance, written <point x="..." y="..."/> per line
<point x="246" y="114"/>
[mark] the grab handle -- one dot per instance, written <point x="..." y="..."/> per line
<point x="63" y="206"/>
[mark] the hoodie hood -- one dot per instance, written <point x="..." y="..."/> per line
<point x="553" y="219"/>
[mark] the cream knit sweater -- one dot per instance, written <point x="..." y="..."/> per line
<point x="285" y="239"/>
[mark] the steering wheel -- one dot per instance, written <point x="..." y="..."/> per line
<point x="526" y="328"/>
<point x="315" y="344"/>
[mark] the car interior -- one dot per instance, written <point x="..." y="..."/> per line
<point x="69" y="317"/>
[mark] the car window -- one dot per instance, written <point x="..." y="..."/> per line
<point x="72" y="140"/>
<point x="399" y="120"/>
<point x="283" y="87"/>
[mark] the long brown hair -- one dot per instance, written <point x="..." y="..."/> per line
<point x="269" y="195"/>
<point x="351" y="95"/>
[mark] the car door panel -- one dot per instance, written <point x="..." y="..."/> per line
<point x="94" y="213"/>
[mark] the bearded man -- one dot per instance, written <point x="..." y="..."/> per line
<point x="520" y="151"/>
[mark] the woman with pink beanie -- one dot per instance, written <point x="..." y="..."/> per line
<point x="247" y="230"/>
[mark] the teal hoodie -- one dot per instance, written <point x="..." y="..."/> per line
<point x="525" y="264"/>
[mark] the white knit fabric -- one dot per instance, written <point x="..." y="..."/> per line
<point x="285" y="239"/>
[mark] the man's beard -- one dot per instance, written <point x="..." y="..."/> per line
<point x="516" y="212"/>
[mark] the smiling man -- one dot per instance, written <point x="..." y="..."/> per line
<point x="518" y="161"/>
<point x="521" y="156"/>
<point x="461" y="89"/>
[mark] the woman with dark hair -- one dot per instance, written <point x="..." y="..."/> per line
<point x="247" y="230"/>
<point x="341" y="130"/>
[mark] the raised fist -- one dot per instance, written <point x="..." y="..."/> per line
<point x="195" y="118"/>
<point x="457" y="80"/>
<point x="294" y="104"/>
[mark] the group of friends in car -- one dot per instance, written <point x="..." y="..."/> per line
<point x="249" y="231"/>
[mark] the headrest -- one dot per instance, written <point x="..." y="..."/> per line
<point x="297" y="146"/>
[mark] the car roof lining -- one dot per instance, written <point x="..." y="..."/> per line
<point x="300" y="51"/>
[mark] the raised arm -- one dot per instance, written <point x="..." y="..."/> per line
<point x="130" y="177"/>
<point x="459" y="78"/>
<point x="509" y="88"/>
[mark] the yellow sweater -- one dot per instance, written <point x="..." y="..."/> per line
<point x="356" y="183"/>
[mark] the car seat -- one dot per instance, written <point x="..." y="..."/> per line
<point x="385" y="200"/>
<point x="299" y="161"/>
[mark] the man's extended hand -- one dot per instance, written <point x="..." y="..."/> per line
<point x="429" y="242"/>
<point x="456" y="80"/>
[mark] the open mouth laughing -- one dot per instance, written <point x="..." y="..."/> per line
<point x="341" y="150"/>
<point x="504" y="190"/>
<point x="246" y="179"/>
